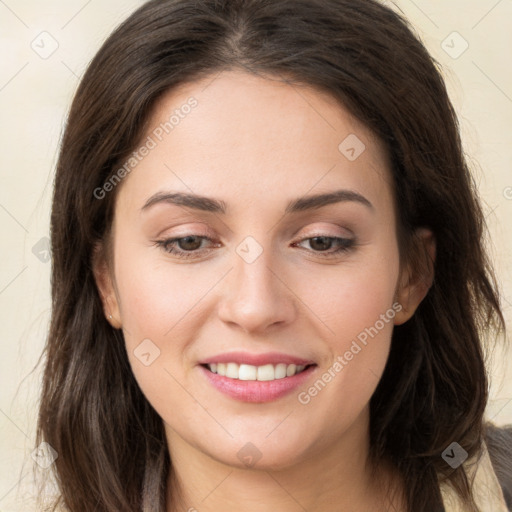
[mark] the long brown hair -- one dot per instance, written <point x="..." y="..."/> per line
<point x="112" y="453"/>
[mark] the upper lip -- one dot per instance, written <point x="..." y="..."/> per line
<point x="256" y="359"/>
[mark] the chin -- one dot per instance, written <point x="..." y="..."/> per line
<point x="250" y="457"/>
<point x="261" y="453"/>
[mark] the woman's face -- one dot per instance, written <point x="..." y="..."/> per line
<point x="268" y="276"/>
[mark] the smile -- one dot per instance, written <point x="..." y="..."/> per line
<point x="251" y="377"/>
<point x="267" y="372"/>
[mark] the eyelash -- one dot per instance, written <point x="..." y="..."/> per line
<point x="169" y="246"/>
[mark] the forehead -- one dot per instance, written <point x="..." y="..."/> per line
<point x="252" y="138"/>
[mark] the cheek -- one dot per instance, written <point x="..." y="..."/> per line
<point x="357" y="309"/>
<point x="157" y="297"/>
<point x="163" y="305"/>
<point x="349" y="299"/>
<point x="158" y="309"/>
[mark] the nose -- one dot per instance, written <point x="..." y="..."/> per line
<point x="256" y="297"/>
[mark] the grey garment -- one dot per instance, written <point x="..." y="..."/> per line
<point x="499" y="445"/>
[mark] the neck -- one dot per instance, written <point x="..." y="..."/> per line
<point x="333" y="479"/>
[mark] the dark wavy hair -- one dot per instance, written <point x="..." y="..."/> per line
<point x="112" y="449"/>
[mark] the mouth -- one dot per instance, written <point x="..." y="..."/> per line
<point x="248" y="372"/>
<point x="256" y="377"/>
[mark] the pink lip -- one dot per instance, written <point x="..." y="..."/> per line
<point x="256" y="391"/>
<point x="256" y="359"/>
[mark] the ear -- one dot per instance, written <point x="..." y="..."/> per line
<point x="417" y="278"/>
<point x="105" y="284"/>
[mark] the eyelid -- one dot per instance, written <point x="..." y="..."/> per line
<point x="184" y="230"/>
<point x="326" y="232"/>
<point x="332" y="225"/>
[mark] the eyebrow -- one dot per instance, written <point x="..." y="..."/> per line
<point x="212" y="205"/>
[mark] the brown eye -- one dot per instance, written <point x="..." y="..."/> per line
<point x="190" y="246"/>
<point x="321" y="243"/>
<point x="190" y="243"/>
<point x="327" y="246"/>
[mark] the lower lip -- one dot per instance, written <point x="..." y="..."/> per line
<point x="254" y="390"/>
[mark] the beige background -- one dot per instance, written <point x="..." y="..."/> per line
<point x="35" y="92"/>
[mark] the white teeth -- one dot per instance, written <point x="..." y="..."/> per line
<point x="280" y="371"/>
<point x="221" y="369"/>
<point x="266" y="372"/>
<point x="247" y="372"/>
<point x="232" y="370"/>
<point x="250" y="372"/>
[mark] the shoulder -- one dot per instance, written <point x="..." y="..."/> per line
<point x="499" y="446"/>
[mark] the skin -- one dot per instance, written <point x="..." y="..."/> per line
<point x="257" y="143"/>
